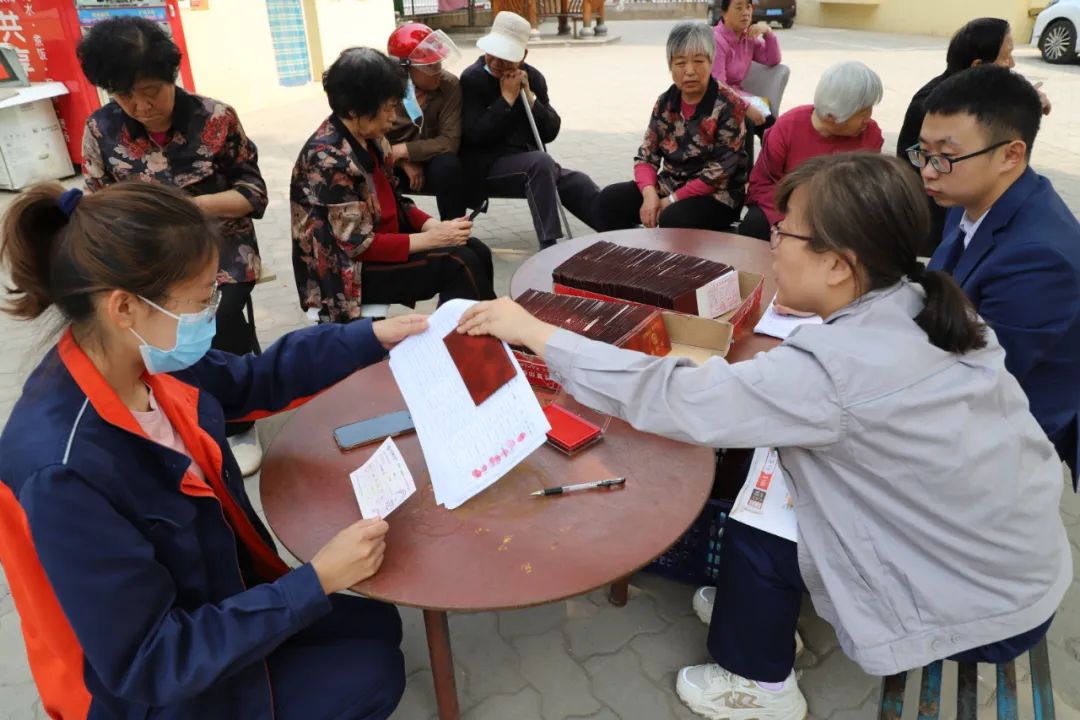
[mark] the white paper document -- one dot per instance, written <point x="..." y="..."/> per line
<point x="383" y="482"/>
<point x="467" y="446"/>
<point x="764" y="501"/>
<point x="780" y="326"/>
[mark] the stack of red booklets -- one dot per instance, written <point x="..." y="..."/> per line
<point x="632" y="326"/>
<point x="683" y="283"/>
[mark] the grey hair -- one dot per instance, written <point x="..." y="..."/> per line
<point x="690" y="38"/>
<point x="845" y="89"/>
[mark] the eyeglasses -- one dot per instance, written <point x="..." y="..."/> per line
<point x="209" y="306"/>
<point x="776" y="236"/>
<point x="943" y="163"/>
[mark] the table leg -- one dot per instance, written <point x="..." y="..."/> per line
<point x="442" y="663"/>
<point x="620" y="591"/>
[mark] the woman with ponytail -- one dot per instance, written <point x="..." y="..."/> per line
<point x="926" y="493"/>
<point x="146" y="584"/>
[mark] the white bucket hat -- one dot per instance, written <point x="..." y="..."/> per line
<point x="508" y="37"/>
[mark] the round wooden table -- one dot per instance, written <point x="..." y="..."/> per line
<point x="503" y="548"/>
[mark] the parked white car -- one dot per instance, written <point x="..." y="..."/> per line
<point x="1056" y="31"/>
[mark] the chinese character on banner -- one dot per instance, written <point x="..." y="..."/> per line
<point x="28" y="9"/>
<point x="39" y="43"/>
<point x="10" y="25"/>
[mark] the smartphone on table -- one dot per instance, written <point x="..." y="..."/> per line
<point x="365" y="432"/>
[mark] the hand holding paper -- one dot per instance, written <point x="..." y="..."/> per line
<point x="383" y="482"/>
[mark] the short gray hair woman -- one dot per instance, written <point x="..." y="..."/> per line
<point x="838" y="121"/>
<point x="845" y="90"/>
<point x="690" y="38"/>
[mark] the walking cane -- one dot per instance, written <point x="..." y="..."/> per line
<point x="540" y="144"/>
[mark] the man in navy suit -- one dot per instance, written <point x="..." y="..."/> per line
<point x="1009" y="239"/>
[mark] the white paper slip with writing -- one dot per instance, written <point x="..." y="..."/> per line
<point x="780" y="326"/>
<point x="764" y="501"/>
<point x="467" y="446"/>
<point x="383" y="482"/>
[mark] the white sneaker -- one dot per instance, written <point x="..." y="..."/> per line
<point x="247" y="451"/>
<point x="715" y="693"/>
<point x="703" y="605"/>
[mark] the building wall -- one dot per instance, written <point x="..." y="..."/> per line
<point x="917" y="17"/>
<point x="232" y="58"/>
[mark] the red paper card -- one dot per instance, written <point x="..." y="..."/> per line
<point x="482" y="361"/>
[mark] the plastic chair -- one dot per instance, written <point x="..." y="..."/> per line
<point x="768" y="82"/>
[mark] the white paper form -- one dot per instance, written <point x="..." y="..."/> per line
<point x="764" y="501"/>
<point x="467" y="446"/>
<point x="383" y="482"/>
<point x="780" y="326"/>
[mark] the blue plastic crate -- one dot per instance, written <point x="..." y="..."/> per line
<point x="695" y="557"/>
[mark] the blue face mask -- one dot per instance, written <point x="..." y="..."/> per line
<point x="411" y="104"/>
<point x="194" y="333"/>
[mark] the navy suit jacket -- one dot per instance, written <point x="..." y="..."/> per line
<point x="1022" y="271"/>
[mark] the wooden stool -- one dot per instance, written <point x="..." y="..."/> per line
<point x="892" y="690"/>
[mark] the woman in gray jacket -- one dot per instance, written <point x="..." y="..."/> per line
<point x="927" y="495"/>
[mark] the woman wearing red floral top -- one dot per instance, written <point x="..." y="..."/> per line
<point x="155" y="132"/>
<point x="691" y="169"/>
<point x="351" y="227"/>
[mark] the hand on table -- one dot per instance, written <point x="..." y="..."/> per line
<point x="508" y="321"/>
<point x="391" y="331"/>
<point x="351" y="556"/>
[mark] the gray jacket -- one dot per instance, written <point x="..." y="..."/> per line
<point x="927" y="495"/>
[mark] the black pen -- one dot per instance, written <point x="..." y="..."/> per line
<point x="612" y="482"/>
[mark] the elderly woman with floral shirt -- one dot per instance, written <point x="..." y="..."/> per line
<point x="155" y="132"/>
<point x="691" y="169"/>
<point x="352" y="228"/>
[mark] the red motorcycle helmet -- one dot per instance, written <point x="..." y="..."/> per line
<point x="404" y="42"/>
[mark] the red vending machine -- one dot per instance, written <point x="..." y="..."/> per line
<point x="46" y="32"/>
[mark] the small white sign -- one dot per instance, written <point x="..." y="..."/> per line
<point x="383" y="482"/>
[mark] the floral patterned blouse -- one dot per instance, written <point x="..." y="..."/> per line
<point x="336" y="216"/>
<point x="206" y="151"/>
<point x="706" y="147"/>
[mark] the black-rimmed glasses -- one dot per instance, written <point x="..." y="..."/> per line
<point x="943" y="163"/>
<point x="777" y="235"/>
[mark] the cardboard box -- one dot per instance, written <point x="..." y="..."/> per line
<point x="687" y="336"/>
<point x="750" y="287"/>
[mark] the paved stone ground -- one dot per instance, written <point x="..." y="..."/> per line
<point x="582" y="658"/>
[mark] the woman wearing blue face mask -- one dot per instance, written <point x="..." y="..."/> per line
<point x="145" y="581"/>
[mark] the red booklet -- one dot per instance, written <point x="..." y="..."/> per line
<point x="570" y="433"/>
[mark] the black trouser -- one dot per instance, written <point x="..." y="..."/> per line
<point x="544" y="183"/>
<point x="234" y="333"/>
<point x="445" y="179"/>
<point x="755" y="224"/>
<point x="465" y="271"/>
<point x="619" y="208"/>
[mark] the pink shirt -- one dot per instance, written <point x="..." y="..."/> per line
<point x="734" y="55"/>
<point x="159" y="428"/>
<point x="792" y="141"/>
